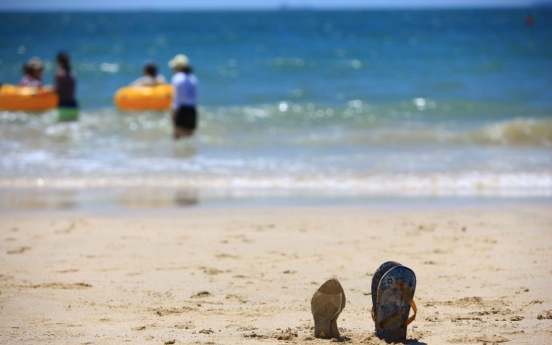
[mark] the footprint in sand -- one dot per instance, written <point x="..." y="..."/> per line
<point x="238" y="298"/>
<point x="492" y="339"/>
<point x="547" y="315"/>
<point x="20" y="250"/>
<point x="255" y="335"/>
<point x="226" y="256"/>
<point x="206" y="331"/>
<point x="211" y="271"/>
<point x="202" y="294"/>
<point x="186" y="325"/>
<point x="163" y="311"/>
<point x="62" y="286"/>
<point x="288" y="334"/>
<point x="240" y="276"/>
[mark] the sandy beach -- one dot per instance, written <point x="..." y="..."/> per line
<point x="243" y="276"/>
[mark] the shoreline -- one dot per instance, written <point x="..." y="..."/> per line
<point x="78" y="277"/>
<point x="100" y="200"/>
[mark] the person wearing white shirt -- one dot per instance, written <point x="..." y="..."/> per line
<point x="184" y="112"/>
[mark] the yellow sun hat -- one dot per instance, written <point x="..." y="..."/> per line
<point x="180" y="60"/>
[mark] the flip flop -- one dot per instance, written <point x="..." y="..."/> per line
<point x="386" y="266"/>
<point x="394" y="298"/>
<point x="326" y="305"/>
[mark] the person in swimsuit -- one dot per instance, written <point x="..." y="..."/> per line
<point x="150" y="77"/>
<point x="184" y="114"/>
<point x="65" y="84"/>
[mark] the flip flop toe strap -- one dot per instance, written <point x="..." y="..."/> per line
<point x="408" y="297"/>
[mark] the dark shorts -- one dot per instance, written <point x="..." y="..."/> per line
<point x="67" y="103"/>
<point x="186" y="117"/>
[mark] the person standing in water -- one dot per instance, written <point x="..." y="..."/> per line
<point x="184" y="114"/>
<point x="65" y="84"/>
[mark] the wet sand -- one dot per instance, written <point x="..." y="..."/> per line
<point x="243" y="276"/>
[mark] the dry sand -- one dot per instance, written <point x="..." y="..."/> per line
<point x="239" y="276"/>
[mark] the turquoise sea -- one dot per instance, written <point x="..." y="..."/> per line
<point x="424" y="102"/>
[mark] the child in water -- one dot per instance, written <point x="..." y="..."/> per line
<point x="33" y="73"/>
<point x="150" y="77"/>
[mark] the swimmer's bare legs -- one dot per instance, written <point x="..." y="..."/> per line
<point x="182" y="132"/>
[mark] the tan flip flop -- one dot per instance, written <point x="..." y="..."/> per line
<point x="326" y="305"/>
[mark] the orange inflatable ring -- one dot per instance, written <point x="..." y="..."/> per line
<point x="27" y="98"/>
<point x="144" y="97"/>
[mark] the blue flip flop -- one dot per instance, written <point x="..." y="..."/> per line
<point x="386" y="266"/>
<point x="393" y="300"/>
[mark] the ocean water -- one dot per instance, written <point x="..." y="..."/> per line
<point x="455" y="102"/>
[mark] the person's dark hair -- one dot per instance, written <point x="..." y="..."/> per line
<point x="150" y="69"/>
<point x="187" y="70"/>
<point x="63" y="60"/>
<point x="27" y="70"/>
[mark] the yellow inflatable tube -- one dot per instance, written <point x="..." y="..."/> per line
<point x="27" y="98"/>
<point x="144" y="97"/>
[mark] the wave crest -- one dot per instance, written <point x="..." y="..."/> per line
<point x="517" y="132"/>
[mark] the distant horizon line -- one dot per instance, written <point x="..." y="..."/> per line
<point x="276" y="9"/>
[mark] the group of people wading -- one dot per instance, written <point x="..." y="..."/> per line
<point x="183" y="107"/>
<point x="64" y="83"/>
